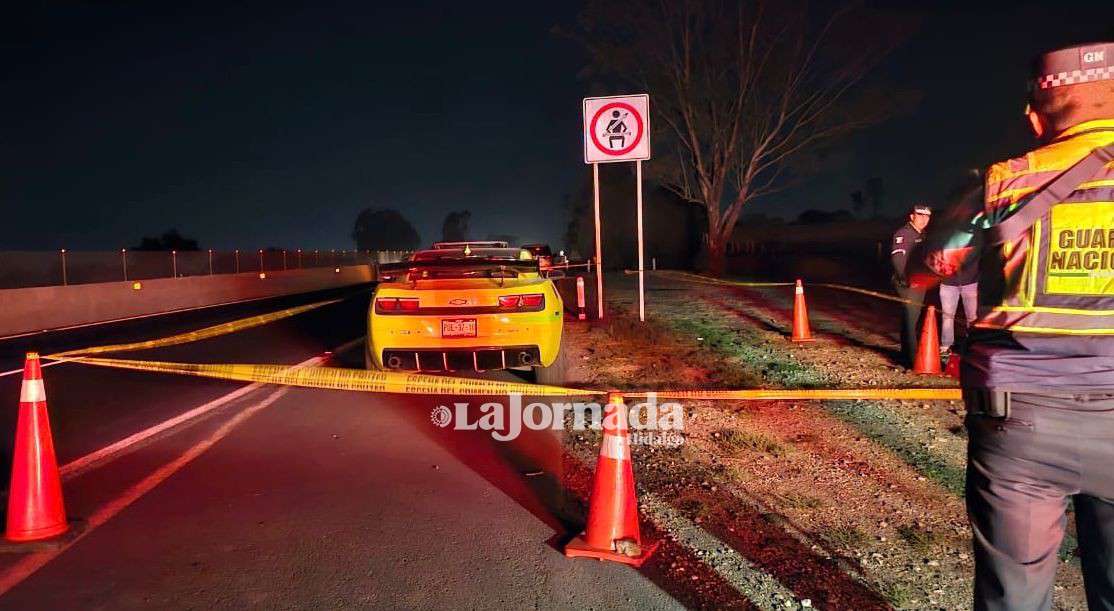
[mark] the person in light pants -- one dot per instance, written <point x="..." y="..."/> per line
<point x="950" y="295"/>
<point x="963" y="284"/>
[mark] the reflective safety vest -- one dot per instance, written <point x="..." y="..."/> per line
<point x="1054" y="285"/>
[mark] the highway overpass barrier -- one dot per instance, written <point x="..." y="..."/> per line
<point x="34" y="309"/>
<point x="23" y="269"/>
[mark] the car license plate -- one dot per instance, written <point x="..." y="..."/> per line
<point x="460" y="327"/>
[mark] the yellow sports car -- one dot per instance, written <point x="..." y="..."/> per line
<point x="469" y="306"/>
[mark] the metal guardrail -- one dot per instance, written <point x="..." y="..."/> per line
<point x="21" y="269"/>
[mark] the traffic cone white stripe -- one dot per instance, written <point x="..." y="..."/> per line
<point x="615" y="447"/>
<point x="32" y="391"/>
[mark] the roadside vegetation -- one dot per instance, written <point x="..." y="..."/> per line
<point x="862" y="499"/>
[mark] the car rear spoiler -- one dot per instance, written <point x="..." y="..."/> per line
<point x="412" y="271"/>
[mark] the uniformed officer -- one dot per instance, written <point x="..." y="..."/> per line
<point x="909" y="236"/>
<point x="1038" y="372"/>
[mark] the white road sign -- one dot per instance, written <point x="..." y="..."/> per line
<point x="616" y="128"/>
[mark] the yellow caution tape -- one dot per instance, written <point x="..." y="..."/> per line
<point x="719" y="281"/>
<point x="337" y="378"/>
<point x="200" y="334"/>
<point x="359" y="380"/>
<point x="723" y="282"/>
<point x="855" y="289"/>
<point x="835" y="394"/>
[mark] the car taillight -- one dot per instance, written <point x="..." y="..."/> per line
<point x="396" y="304"/>
<point x="524" y="302"/>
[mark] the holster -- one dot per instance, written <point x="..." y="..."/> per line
<point x="986" y="402"/>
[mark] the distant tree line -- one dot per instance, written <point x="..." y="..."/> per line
<point x="169" y="240"/>
<point x="384" y="229"/>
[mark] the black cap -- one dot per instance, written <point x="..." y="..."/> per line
<point x="1074" y="65"/>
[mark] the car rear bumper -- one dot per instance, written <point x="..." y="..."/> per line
<point x="461" y="359"/>
<point x="498" y="338"/>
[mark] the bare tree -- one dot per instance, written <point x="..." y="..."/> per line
<point x="740" y="91"/>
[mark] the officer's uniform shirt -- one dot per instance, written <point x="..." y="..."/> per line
<point x="905" y="240"/>
<point x="1073" y="362"/>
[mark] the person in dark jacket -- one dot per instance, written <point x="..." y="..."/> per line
<point x="905" y="240"/>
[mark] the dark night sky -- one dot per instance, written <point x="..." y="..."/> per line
<point x="266" y="125"/>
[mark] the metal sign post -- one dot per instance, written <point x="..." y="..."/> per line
<point x="617" y="128"/>
<point x="599" y="247"/>
<point x="641" y="250"/>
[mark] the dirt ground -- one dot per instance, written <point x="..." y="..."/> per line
<point x="833" y="504"/>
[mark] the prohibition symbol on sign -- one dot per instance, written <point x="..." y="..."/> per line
<point x="611" y="124"/>
<point x="616" y="129"/>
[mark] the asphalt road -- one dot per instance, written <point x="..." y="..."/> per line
<point x="292" y="498"/>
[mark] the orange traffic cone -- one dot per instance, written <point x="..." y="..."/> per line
<point x="35" y="509"/>
<point x="801" y="330"/>
<point x="612" y="532"/>
<point x="951" y="369"/>
<point x="928" y="350"/>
